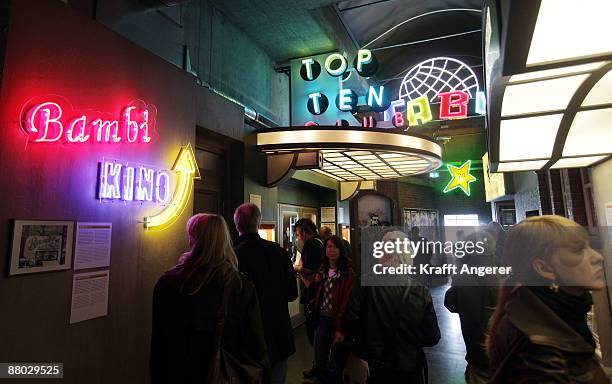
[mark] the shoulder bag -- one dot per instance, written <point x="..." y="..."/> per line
<point x="226" y="368"/>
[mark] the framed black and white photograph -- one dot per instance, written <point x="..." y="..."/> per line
<point x="41" y="246"/>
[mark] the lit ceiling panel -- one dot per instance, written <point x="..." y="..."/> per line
<point x="371" y="165"/>
<point x="539" y="96"/>
<point x="601" y="93"/>
<point x="590" y="133"/>
<point x="528" y="138"/>
<point x="566" y="29"/>
<point x="518" y="166"/>
<point x="577" y="162"/>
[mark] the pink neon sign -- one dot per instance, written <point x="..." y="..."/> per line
<point x="46" y="122"/>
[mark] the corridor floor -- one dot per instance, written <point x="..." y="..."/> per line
<point x="446" y="360"/>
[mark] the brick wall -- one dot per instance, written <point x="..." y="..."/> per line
<point x="406" y="195"/>
<point x="545" y="203"/>
<point x="389" y="189"/>
<point x="577" y="195"/>
<point x="552" y="203"/>
<point x="557" y="193"/>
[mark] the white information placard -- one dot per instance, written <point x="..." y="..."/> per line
<point x="608" y="207"/>
<point x="255" y="199"/>
<point x="89" y="296"/>
<point x="328" y="214"/>
<point x="93" y="245"/>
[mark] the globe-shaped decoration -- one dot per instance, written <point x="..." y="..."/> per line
<point x="435" y="75"/>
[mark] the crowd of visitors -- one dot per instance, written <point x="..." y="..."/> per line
<point x="221" y="315"/>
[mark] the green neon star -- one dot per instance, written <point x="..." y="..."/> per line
<point x="461" y="177"/>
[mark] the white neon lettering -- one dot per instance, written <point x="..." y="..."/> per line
<point x="40" y="118"/>
<point x="128" y="183"/>
<point x="79" y="125"/>
<point x="162" y="187"/>
<point x="373" y="96"/>
<point x="344" y="102"/>
<point x="109" y="182"/>
<point x="42" y="123"/>
<point x="130" y="127"/>
<point x="105" y="127"/>
<point x="308" y="63"/>
<point x="145" y="126"/>
<point x="144" y="187"/>
<point x="364" y="56"/>
<point x="315" y="102"/>
<point x="338" y="71"/>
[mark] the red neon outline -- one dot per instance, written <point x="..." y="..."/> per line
<point x="454" y="105"/>
<point x="82" y="136"/>
<point x="40" y="118"/>
<point x="33" y="112"/>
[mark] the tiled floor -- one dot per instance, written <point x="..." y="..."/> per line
<point x="446" y="360"/>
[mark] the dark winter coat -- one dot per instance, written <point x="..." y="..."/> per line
<point x="269" y="267"/>
<point x="184" y="326"/>
<point x="533" y="345"/>
<point x="312" y="254"/>
<point x="391" y="325"/>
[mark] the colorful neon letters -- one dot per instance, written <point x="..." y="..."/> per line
<point x="125" y="182"/>
<point x="336" y="65"/>
<point x="418" y="111"/>
<point x="45" y="122"/>
<point x="453" y="105"/>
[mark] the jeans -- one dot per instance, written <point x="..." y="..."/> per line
<point x="278" y="372"/>
<point x="324" y="337"/>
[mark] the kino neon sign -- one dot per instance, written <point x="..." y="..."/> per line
<point x="124" y="182"/>
<point x="47" y="122"/>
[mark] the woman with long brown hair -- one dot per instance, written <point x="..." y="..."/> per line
<point x="335" y="281"/>
<point x="190" y="301"/>
<point x="539" y="332"/>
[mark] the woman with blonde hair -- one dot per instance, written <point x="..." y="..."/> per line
<point x="202" y="306"/>
<point x="539" y="332"/>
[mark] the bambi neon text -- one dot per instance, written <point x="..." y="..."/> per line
<point x="47" y="122"/>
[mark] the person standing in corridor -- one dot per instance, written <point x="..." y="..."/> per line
<point x="188" y="304"/>
<point x="539" y="331"/>
<point x="269" y="266"/>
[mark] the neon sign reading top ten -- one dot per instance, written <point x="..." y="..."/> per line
<point x="45" y="122"/>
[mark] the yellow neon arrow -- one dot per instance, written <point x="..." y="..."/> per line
<point x="187" y="169"/>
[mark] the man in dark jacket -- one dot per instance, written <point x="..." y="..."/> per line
<point x="474" y="298"/>
<point x="311" y="256"/>
<point x="270" y="268"/>
<point x="422" y="257"/>
<point x="391" y="325"/>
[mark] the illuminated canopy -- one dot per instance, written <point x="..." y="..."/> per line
<point x="356" y="154"/>
<point x="550" y="104"/>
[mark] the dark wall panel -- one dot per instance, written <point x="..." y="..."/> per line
<point x="58" y="51"/>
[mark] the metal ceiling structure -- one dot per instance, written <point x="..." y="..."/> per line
<point x="403" y="33"/>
